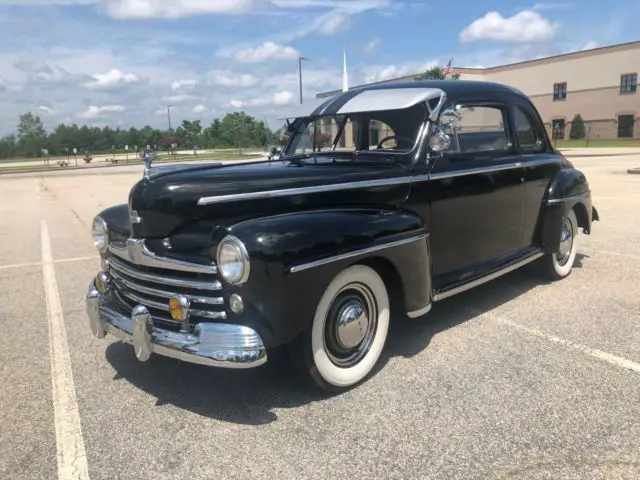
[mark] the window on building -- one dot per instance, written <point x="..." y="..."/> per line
<point x="625" y="126"/>
<point x="480" y="129"/>
<point x="379" y="134"/>
<point x="558" y="129"/>
<point x="560" y="91"/>
<point x="628" y="83"/>
<point x="529" y="137"/>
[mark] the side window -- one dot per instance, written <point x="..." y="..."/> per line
<point x="528" y="137"/>
<point x="480" y="129"/>
<point x="379" y="131"/>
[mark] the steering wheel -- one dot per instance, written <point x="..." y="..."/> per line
<point x="391" y="137"/>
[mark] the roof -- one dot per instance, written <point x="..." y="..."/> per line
<point x="391" y="96"/>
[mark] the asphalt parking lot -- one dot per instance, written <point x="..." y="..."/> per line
<point x="515" y="379"/>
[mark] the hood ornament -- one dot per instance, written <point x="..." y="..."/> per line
<point x="148" y="156"/>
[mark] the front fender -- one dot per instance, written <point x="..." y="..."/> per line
<point x="568" y="190"/>
<point x="295" y="256"/>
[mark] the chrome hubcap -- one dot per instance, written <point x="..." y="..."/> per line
<point x="566" y="242"/>
<point x="350" y="325"/>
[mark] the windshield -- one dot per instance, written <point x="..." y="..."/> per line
<point x="391" y="131"/>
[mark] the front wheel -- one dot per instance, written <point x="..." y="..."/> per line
<point x="344" y="342"/>
<point x="558" y="265"/>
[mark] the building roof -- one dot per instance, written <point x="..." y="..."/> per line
<point x="511" y="66"/>
<point x="390" y="96"/>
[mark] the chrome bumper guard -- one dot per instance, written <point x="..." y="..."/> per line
<point x="211" y="344"/>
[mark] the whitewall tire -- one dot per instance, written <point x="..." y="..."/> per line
<point x="349" y="330"/>
<point x="558" y="265"/>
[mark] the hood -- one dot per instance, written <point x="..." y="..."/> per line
<point x="169" y="200"/>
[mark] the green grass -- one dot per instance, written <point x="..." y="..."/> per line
<point x="614" y="143"/>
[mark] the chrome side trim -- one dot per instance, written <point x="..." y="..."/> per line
<point x="420" y="312"/>
<point x="475" y="171"/>
<point x="211" y="344"/>
<point x="566" y="199"/>
<point x="335" y="258"/>
<point x="137" y="252"/>
<point x="487" y="278"/>
<point x="383" y="182"/>
<point x="176" y="282"/>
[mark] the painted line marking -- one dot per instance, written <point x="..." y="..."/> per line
<point x="599" y="354"/>
<point x="71" y="454"/>
<point x="60" y="260"/>
<point x="619" y="254"/>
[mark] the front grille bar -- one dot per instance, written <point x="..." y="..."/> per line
<point x="176" y="282"/>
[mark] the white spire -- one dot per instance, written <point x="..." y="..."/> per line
<point x="345" y="75"/>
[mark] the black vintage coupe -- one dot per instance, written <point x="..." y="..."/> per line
<point x="382" y="201"/>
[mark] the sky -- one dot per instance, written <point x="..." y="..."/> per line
<point x="121" y="62"/>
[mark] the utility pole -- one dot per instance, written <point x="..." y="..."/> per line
<point x="169" y="115"/>
<point x="300" y="59"/>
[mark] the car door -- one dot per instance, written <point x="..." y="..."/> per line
<point x="539" y="163"/>
<point x="476" y="195"/>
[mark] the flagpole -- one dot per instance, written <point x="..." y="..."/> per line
<point x="345" y="75"/>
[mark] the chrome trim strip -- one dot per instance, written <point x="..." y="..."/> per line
<point x="487" y="278"/>
<point x="165" y="307"/>
<point x="211" y="344"/>
<point x="474" y="171"/>
<point x="137" y="252"/>
<point x="355" y="253"/>
<point x="570" y="197"/>
<point x="163" y="293"/>
<point x="176" y="282"/>
<point x="384" y="182"/>
<point x="420" y="312"/>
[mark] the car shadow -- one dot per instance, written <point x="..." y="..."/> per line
<point x="250" y="396"/>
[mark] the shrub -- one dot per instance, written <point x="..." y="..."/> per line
<point x="577" y="127"/>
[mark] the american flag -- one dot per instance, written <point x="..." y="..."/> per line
<point x="448" y="70"/>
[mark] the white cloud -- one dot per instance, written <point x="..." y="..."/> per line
<point x="590" y="45"/>
<point x="183" y="84"/>
<point x="179" y="98"/>
<point x="45" y="109"/>
<point x="112" y="78"/>
<point x="280" y="99"/>
<point x="94" y="112"/>
<point x="552" y="6"/>
<point x="524" y="27"/>
<point x="265" y="52"/>
<point x="372" y="46"/>
<point x="379" y="73"/>
<point x="199" y="109"/>
<point x="235" y="81"/>
<point x="136" y="9"/>
<point x="334" y="23"/>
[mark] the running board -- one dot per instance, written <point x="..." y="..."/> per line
<point x="486" y="278"/>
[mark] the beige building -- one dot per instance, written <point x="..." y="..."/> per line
<point x="599" y="84"/>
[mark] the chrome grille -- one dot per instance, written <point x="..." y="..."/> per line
<point x="152" y="281"/>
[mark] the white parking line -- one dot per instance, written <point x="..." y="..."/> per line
<point x="599" y="354"/>
<point x="72" y="458"/>
<point x="60" y="260"/>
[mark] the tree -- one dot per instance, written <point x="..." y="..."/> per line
<point x="577" y="127"/>
<point x="31" y="135"/>
<point x="434" y="73"/>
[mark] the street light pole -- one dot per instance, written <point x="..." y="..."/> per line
<point x="300" y="59"/>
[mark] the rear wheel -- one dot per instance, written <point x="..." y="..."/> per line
<point x="558" y="265"/>
<point x="344" y="342"/>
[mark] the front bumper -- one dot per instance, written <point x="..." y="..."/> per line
<point x="211" y="344"/>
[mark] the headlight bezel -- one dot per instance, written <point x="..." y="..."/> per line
<point x="100" y="223"/>
<point x="234" y="242"/>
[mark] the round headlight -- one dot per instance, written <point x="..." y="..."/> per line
<point x="100" y="234"/>
<point x="233" y="260"/>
